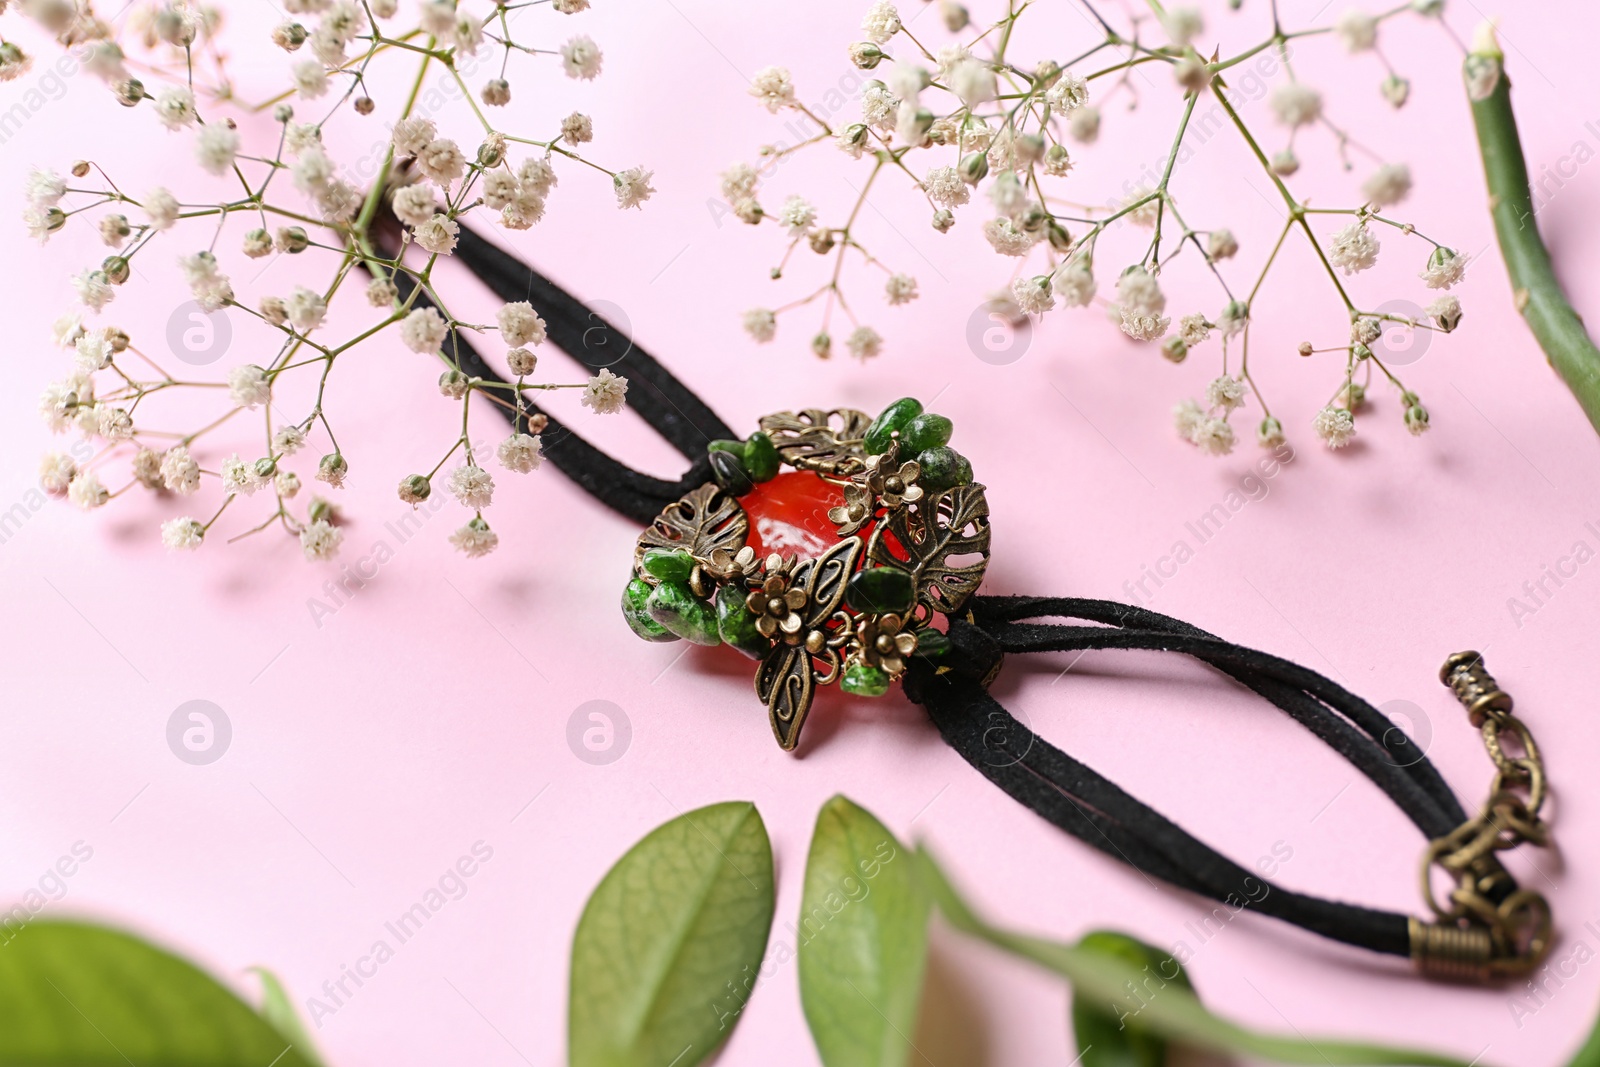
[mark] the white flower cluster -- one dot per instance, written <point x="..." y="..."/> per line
<point x="972" y="122"/>
<point x="163" y="63"/>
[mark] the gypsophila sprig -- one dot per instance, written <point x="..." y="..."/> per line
<point x="986" y="127"/>
<point x="292" y="192"/>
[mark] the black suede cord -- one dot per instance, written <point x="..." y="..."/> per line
<point x="669" y="406"/>
<point x="1040" y="776"/>
<point x="1090" y="807"/>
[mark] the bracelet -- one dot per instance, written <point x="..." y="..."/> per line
<point x="830" y="545"/>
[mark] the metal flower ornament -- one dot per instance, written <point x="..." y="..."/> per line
<point x="826" y="549"/>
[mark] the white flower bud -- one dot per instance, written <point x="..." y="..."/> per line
<point x="974" y="167"/>
<point x="414" y="489"/>
<point x="1222" y="244"/>
<point x="332" y="469"/>
<point x="382" y="293"/>
<point x="1191" y="74"/>
<point x="497" y="92"/>
<point x="521" y="361"/>
<point x="865" y="55"/>
<point x="257" y="243"/>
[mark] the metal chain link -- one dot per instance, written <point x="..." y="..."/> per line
<point x="1488" y="927"/>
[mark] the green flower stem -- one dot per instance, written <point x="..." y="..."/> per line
<point x="369" y="208"/>
<point x="1170" y="1012"/>
<point x="1535" y="289"/>
<point x="1297" y="212"/>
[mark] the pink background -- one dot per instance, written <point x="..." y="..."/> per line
<point x="430" y="711"/>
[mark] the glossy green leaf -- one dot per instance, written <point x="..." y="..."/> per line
<point x="863" y="940"/>
<point x="279" y="1010"/>
<point x="78" y="995"/>
<point x="1176" y="1014"/>
<point x="1108" y="1031"/>
<point x="671" y="942"/>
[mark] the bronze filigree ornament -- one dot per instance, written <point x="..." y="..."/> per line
<point x="891" y="484"/>
<point x="857" y="510"/>
<point x="728" y="566"/>
<point x="778" y="604"/>
<point x="828" y="442"/>
<point x="885" y="643"/>
<point x="826" y="549"/>
<point x="703" y="522"/>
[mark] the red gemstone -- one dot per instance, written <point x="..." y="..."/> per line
<point x="789" y="515"/>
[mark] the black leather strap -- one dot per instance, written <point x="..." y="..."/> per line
<point x="1040" y="776"/>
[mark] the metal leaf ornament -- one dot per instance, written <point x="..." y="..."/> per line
<point x="703" y="521"/>
<point x="825" y="441"/>
<point x="948" y="525"/>
<point x="787" y="678"/>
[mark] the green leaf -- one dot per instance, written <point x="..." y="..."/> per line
<point x="77" y="995"/>
<point x="279" y="1010"/>
<point x="863" y="935"/>
<point x="670" y="943"/>
<point x="1108" y="1031"/>
<point x="1176" y="1014"/>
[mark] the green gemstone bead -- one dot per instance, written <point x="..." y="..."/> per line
<point x="932" y="644"/>
<point x="668" y="564"/>
<point x="942" y="468"/>
<point x="736" y="625"/>
<point x="725" y="445"/>
<point x="728" y="469"/>
<point x="865" y="680"/>
<point x="924" y="432"/>
<point x="634" y="611"/>
<point x="761" y="457"/>
<point x="673" y="606"/>
<point x="893" y="419"/>
<point x="878" y="590"/>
